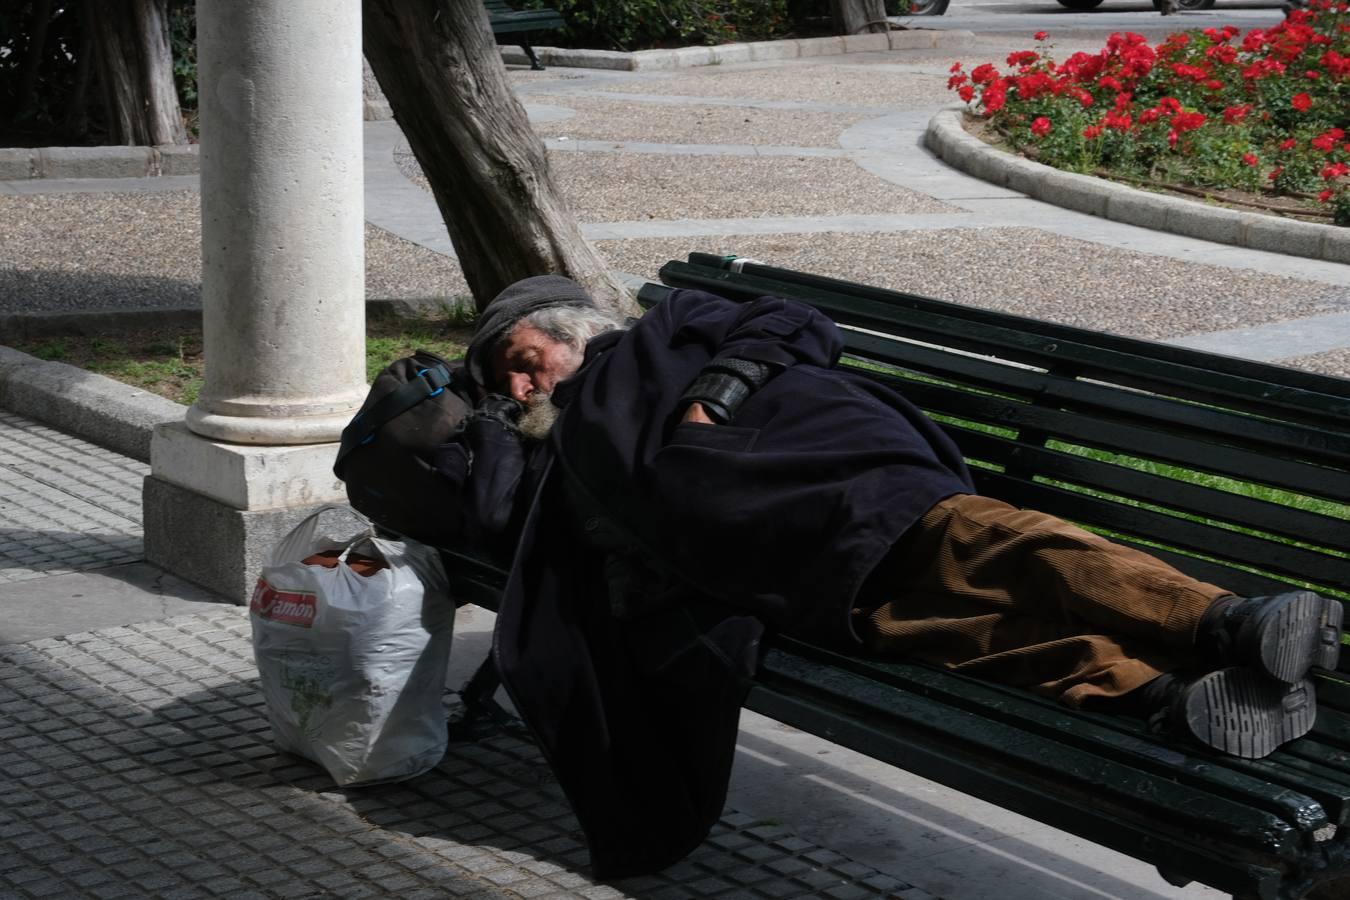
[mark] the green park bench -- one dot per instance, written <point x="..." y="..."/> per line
<point x="1237" y="472"/>
<point x="519" y="24"/>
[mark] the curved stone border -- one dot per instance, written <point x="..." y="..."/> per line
<point x="660" y="60"/>
<point x="21" y="163"/>
<point x="947" y="138"/>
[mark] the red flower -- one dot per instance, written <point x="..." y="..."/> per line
<point x="1040" y="126"/>
<point x="1222" y="53"/>
<point x="1092" y="131"/>
<point x="966" y="93"/>
<point x="1275" y="172"/>
<point x="1117" y="121"/>
<point x="995" y="95"/>
<point x="1040" y="36"/>
<point x="1106" y="82"/>
<point x="1188" y="121"/>
<point x="983" y="73"/>
<point x="1335" y="170"/>
<point x="1301" y="102"/>
<point x="955" y="81"/>
<point x="1288" y="144"/>
<point x="1326" y="141"/>
<point x="1032" y="85"/>
<point x="1326" y="195"/>
<point x="1234" y="114"/>
<point x="1022" y="57"/>
<point x="1312" y="74"/>
<point x="1183" y="70"/>
<point x="956" y="67"/>
<point x="1249" y="159"/>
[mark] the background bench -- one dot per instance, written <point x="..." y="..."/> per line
<point x="520" y="23"/>
<point x="1236" y="472"/>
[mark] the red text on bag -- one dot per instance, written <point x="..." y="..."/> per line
<point x="291" y="607"/>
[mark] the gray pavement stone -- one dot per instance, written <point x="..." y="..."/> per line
<point x="119" y="799"/>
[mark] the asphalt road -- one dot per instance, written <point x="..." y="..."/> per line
<point x="1003" y="16"/>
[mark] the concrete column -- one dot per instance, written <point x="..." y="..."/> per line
<point x="283" y="265"/>
<point x="283" y="296"/>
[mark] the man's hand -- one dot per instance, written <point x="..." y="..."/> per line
<point x="696" y="413"/>
<point x="500" y="407"/>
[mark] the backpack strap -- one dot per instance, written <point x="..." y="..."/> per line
<point x="425" y="383"/>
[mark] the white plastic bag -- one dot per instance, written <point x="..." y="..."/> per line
<point x="353" y="666"/>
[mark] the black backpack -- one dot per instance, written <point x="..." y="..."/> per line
<point x="387" y="451"/>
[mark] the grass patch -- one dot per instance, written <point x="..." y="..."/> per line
<point x="170" y="362"/>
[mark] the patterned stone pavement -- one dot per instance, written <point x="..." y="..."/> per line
<point x="139" y="763"/>
<point x="65" y="504"/>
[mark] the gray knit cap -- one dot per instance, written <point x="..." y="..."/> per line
<point x="510" y="306"/>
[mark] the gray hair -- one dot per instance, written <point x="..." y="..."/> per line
<point x="572" y="325"/>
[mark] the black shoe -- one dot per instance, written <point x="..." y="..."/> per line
<point x="1281" y="636"/>
<point x="1239" y="712"/>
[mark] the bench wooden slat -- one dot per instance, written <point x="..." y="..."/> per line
<point x="1183" y="375"/>
<point x="1059" y="785"/>
<point x="1219" y="459"/>
<point x="1318" y="444"/>
<point x="1278" y="377"/>
<point x="1121" y="740"/>
<point x="1193" y="499"/>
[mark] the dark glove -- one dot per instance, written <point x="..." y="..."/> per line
<point x="723" y="385"/>
<point x="499" y="408"/>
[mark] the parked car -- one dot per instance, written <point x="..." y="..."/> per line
<point x="1082" y="5"/>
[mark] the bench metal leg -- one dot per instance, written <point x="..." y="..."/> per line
<point x="481" y="715"/>
<point x="534" y="60"/>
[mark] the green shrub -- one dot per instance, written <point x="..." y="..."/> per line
<point x="644" y="24"/>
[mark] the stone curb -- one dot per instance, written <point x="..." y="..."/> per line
<point x="947" y="138"/>
<point x="685" y="57"/>
<point x="98" y="409"/>
<point x="19" y="163"/>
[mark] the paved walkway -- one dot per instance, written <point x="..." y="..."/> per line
<point x="131" y="732"/>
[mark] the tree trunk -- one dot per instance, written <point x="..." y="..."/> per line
<point x="136" y="69"/>
<point x="37" y="45"/>
<point x="859" y="16"/>
<point x="76" y="121"/>
<point x="439" y="67"/>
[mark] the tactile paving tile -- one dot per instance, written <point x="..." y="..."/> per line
<point x="139" y="763"/>
<point x="65" y="505"/>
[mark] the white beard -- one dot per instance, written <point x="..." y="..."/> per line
<point x="539" y="416"/>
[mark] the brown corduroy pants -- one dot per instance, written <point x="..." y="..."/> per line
<point x="1023" y="598"/>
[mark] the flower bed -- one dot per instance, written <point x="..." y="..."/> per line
<point x="1203" y="111"/>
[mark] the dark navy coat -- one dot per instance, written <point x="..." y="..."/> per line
<point x="656" y="552"/>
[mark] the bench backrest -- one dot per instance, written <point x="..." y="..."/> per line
<point x="1200" y="458"/>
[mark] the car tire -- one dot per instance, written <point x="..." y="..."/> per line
<point x="927" y="7"/>
<point x="1080" y="5"/>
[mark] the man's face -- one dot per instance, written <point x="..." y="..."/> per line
<point x="528" y="361"/>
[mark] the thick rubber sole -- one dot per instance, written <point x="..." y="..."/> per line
<point x="1292" y="633"/>
<point x="1241" y="713"/>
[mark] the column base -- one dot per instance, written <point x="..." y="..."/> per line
<point x="210" y="543"/>
<point x="213" y="511"/>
